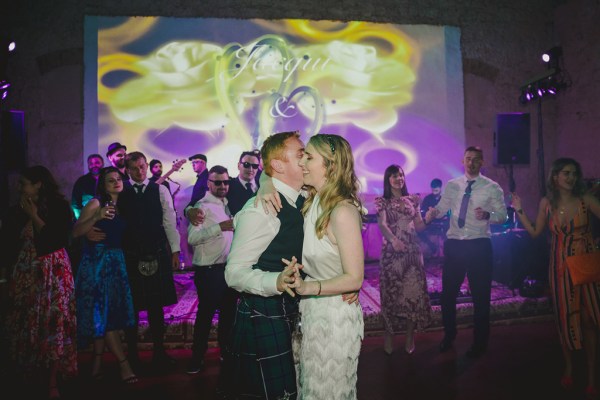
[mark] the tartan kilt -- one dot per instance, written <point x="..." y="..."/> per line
<point x="157" y="290"/>
<point x="259" y="362"/>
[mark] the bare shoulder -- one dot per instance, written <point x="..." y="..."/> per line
<point x="345" y="211"/>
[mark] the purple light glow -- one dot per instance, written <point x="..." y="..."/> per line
<point x="546" y="57"/>
<point x="12" y="46"/>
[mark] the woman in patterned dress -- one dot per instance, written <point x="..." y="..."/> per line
<point x="104" y="302"/>
<point x="566" y="209"/>
<point x="41" y="322"/>
<point x="403" y="285"/>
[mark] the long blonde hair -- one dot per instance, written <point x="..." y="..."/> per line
<point x="341" y="182"/>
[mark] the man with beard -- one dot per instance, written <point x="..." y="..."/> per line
<point x="85" y="186"/>
<point x="116" y="155"/>
<point x="157" y="170"/>
<point x="211" y="241"/>
<point x="241" y="188"/>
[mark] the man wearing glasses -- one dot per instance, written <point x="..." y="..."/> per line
<point x="211" y="241"/>
<point x="244" y="185"/>
<point x="241" y="188"/>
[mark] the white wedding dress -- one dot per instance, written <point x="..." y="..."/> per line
<point x="332" y="330"/>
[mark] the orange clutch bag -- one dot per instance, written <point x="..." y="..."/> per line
<point x="584" y="268"/>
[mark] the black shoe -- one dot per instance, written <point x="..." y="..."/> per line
<point x="446" y="344"/>
<point x="195" y="366"/>
<point x="476" y="351"/>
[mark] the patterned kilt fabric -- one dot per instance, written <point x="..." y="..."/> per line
<point x="259" y="362"/>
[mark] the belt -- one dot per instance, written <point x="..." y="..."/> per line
<point x="211" y="265"/>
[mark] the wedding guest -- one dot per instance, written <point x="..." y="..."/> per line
<point x="475" y="202"/>
<point x="41" y="317"/>
<point x="104" y="302"/>
<point x="403" y="285"/>
<point x="567" y="211"/>
<point x="84" y="188"/>
<point x="151" y="245"/>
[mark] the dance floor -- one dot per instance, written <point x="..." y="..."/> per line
<point x="507" y="305"/>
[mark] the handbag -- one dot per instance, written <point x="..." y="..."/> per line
<point x="584" y="268"/>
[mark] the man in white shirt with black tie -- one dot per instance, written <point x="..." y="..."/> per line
<point x="211" y="241"/>
<point x="475" y="202"/>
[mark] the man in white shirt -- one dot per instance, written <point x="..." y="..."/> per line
<point x="259" y="361"/>
<point x="211" y="241"/>
<point x="475" y="202"/>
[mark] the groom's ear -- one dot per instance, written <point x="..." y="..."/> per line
<point x="277" y="165"/>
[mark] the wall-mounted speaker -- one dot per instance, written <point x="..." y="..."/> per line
<point x="13" y="141"/>
<point x="512" y="139"/>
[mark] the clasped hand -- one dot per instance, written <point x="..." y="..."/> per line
<point x="289" y="280"/>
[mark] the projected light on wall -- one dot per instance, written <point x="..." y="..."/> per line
<point x="174" y="87"/>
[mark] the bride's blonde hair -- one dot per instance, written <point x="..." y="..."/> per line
<point x="341" y="182"/>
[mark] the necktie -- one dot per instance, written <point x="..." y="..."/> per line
<point x="464" y="204"/>
<point x="300" y="201"/>
<point x="249" y="188"/>
<point x="139" y="188"/>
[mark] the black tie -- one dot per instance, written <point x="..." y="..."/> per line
<point x="139" y="189"/>
<point x="249" y="188"/>
<point x="462" y="215"/>
<point x="300" y="201"/>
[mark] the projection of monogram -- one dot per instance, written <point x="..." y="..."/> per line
<point x="173" y="86"/>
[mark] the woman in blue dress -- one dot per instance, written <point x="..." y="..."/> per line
<point x="104" y="302"/>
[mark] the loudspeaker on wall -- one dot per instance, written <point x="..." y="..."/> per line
<point x="512" y="139"/>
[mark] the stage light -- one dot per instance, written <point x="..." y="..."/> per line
<point x="12" y="46"/>
<point x="552" y="56"/>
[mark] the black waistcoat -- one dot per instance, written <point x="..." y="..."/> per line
<point x="145" y="232"/>
<point x="288" y="241"/>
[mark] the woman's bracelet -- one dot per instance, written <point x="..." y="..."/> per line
<point x="319" y="292"/>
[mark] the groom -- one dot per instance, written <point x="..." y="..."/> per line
<point x="259" y="363"/>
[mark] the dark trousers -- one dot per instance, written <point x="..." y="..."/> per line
<point x="472" y="258"/>
<point x="213" y="294"/>
<point x="156" y="325"/>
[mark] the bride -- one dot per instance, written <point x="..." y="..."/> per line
<point x="333" y="264"/>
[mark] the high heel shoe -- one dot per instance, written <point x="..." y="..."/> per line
<point x="98" y="375"/>
<point x="409" y="347"/>
<point x="591" y="393"/>
<point x="53" y="393"/>
<point x="566" y="382"/>
<point x="130" y="379"/>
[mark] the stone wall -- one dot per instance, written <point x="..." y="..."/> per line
<point x="501" y="44"/>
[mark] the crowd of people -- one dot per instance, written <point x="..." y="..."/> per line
<point x="281" y="259"/>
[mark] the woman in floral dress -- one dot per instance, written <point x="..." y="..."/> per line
<point x="41" y="315"/>
<point x="403" y="286"/>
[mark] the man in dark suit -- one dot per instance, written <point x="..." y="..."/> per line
<point x="151" y="246"/>
<point x="201" y="186"/>
<point x="116" y="156"/>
